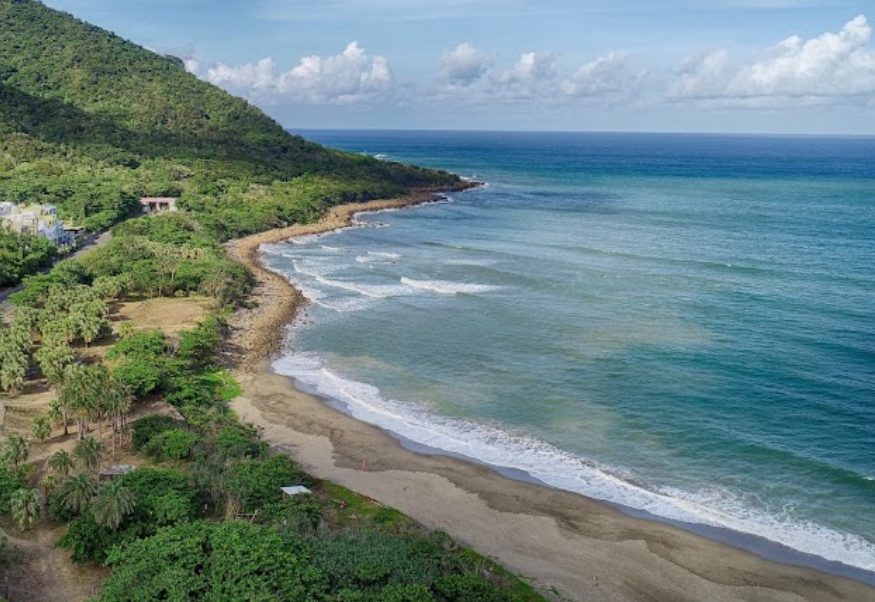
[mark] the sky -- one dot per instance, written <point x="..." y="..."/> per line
<point x="736" y="66"/>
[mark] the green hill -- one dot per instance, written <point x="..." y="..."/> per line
<point x="91" y="122"/>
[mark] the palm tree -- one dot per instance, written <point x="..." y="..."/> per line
<point x="60" y="414"/>
<point x="89" y="452"/>
<point x="116" y="404"/>
<point x="112" y="504"/>
<point x="53" y="358"/>
<point x="78" y="492"/>
<point x="13" y="362"/>
<point x="26" y="507"/>
<point x="62" y="463"/>
<point x="15" y="451"/>
<point x="49" y="483"/>
<point x="91" y="321"/>
<point x="41" y="429"/>
<point x="78" y="393"/>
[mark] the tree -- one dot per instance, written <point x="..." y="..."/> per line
<point x="78" y="491"/>
<point x="26" y="507"/>
<point x="62" y="463"/>
<point x="14" y="344"/>
<point x="113" y="503"/>
<point x="16" y="451"/>
<point x="13" y="368"/>
<point x="83" y="392"/>
<point x="75" y="312"/>
<point x="21" y="255"/>
<point x="41" y="429"/>
<point x="49" y="483"/>
<point x="59" y="414"/>
<point x="108" y="287"/>
<point x="116" y="404"/>
<point x="53" y="358"/>
<point x="89" y="452"/>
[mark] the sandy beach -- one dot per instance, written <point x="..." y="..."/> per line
<point x="561" y="542"/>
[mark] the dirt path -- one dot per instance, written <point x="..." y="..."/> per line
<point x="41" y="572"/>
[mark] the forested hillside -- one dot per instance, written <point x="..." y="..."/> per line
<point x="91" y="122"/>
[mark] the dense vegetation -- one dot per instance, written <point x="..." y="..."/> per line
<point x="160" y="527"/>
<point x="91" y="122"/>
<point x="22" y="254"/>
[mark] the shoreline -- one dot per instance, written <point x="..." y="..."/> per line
<point x="585" y="548"/>
<point x="258" y="332"/>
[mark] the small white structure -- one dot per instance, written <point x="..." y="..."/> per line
<point x="107" y="474"/>
<point x="158" y="204"/>
<point x="293" y="491"/>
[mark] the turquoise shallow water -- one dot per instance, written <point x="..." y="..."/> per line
<point x="678" y="324"/>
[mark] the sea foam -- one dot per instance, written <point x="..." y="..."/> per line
<point x="502" y="448"/>
<point x="448" y="288"/>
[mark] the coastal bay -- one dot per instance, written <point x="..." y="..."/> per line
<point x="585" y="549"/>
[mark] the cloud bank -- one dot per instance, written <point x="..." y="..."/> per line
<point x="830" y="68"/>
<point x="349" y="77"/>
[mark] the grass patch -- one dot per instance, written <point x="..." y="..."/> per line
<point x="346" y="509"/>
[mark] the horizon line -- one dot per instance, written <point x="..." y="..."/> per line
<point x="551" y="131"/>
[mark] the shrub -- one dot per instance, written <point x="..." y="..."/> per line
<point x="190" y="390"/>
<point x="140" y="376"/>
<point x="147" y="344"/>
<point x="59" y="510"/>
<point x="10" y="482"/>
<point x="197" y="347"/>
<point x="150" y="426"/>
<point x="296" y="516"/>
<point x="231" y="561"/>
<point x="471" y="587"/>
<point x="163" y="498"/>
<point x="239" y="441"/>
<point x="173" y="444"/>
<point x="88" y="541"/>
<point x="256" y="483"/>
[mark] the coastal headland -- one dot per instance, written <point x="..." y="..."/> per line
<point x="564" y="543"/>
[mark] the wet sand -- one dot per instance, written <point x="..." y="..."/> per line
<point x="583" y="548"/>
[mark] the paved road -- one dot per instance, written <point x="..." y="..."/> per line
<point x="92" y="242"/>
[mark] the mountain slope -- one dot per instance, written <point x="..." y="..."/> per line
<point x="90" y="122"/>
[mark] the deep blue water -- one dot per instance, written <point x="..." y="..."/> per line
<point x="681" y="324"/>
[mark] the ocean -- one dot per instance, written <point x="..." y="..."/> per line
<point x="681" y="325"/>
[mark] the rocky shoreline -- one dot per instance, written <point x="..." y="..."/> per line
<point x="257" y="330"/>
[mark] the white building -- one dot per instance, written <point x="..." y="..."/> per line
<point x="39" y="220"/>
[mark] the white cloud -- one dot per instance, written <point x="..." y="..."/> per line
<point x="532" y="67"/>
<point x="192" y="65"/>
<point x="464" y="65"/>
<point x="471" y="78"/>
<point x="350" y="77"/>
<point x="829" y="68"/>
<point x="606" y="76"/>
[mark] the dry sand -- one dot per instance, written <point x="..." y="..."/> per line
<point x="584" y="549"/>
